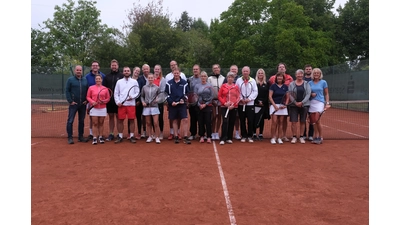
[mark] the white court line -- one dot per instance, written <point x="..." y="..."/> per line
<point x="225" y="188"/>
<point x="351" y="123"/>
<point x="36" y="143"/>
<point x="357" y="135"/>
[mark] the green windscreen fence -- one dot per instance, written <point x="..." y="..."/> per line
<point x="348" y="117"/>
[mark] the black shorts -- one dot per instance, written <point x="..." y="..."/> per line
<point x="295" y="112"/>
<point x="112" y="107"/>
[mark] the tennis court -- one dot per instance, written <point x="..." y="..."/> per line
<point x="242" y="183"/>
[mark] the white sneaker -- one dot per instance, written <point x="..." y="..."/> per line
<point x="243" y="140"/>
<point x="237" y="136"/>
<point x="280" y="141"/>
<point x="229" y="141"/>
<point x="161" y="136"/>
<point x="222" y="143"/>
<point x="310" y="138"/>
<point x="294" y="140"/>
<point x="285" y="139"/>
<point x="250" y="140"/>
<point x="191" y="138"/>
<point x="212" y="136"/>
<point x="216" y="136"/>
<point x="273" y="141"/>
<point x="302" y="140"/>
<point x="149" y="139"/>
<point x="158" y="140"/>
<point x="143" y="135"/>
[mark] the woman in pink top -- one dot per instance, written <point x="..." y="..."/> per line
<point x="99" y="111"/>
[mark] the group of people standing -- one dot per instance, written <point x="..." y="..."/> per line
<point x="221" y="119"/>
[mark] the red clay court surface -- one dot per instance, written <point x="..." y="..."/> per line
<point x="242" y="183"/>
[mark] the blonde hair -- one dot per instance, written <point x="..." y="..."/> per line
<point x="264" y="78"/>
<point x="204" y="72"/>
<point x="316" y="70"/>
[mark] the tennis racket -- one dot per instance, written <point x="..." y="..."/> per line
<point x="282" y="104"/>
<point x="133" y="93"/>
<point x="233" y="98"/>
<point x="246" y="89"/>
<point x="159" y="98"/>
<point x="316" y="116"/>
<point x="104" y="96"/>
<point x="192" y="98"/>
<point x="207" y="95"/>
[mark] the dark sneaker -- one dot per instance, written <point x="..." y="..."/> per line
<point x="94" y="141"/>
<point x="101" y="140"/>
<point x="110" y="137"/>
<point x="132" y="139"/>
<point x="186" y="141"/>
<point x="82" y="139"/>
<point x="176" y="140"/>
<point x="90" y="137"/>
<point x="260" y="137"/>
<point x="118" y="140"/>
<point x="70" y="141"/>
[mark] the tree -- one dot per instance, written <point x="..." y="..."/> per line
<point x="353" y="29"/>
<point x="74" y="30"/>
<point x="185" y="22"/>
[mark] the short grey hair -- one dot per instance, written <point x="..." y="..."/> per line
<point x="299" y="71"/>
<point x="230" y="74"/>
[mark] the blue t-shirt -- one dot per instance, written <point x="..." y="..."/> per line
<point x="318" y="88"/>
<point x="279" y="92"/>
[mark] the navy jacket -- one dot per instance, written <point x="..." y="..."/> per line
<point x="76" y="90"/>
<point x="176" y="90"/>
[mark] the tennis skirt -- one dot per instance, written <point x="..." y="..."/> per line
<point x="316" y="106"/>
<point x="280" y="112"/>
<point x="98" y="112"/>
<point x="150" y="111"/>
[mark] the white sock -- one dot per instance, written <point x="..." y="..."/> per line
<point x="90" y="131"/>
<point x="120" y="135"/>
<point x="132" y="134"/>
<point x="171" y="130"/>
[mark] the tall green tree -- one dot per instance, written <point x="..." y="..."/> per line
<point x="74" y="30"/>
<point x="353" y="29"/>
<point x="185" y="22"/>
<point x="150" y="36"/>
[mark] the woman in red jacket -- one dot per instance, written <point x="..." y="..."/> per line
<point x="229" y="96"/>
<point x="99" y="111"/>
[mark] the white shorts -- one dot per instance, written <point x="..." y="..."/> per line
<point x="98" y="112"/>
<point x="150" y="111"/>
<point x="316" y="106"/>
<point x="280" y="112"/>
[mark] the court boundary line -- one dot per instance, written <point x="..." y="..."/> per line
<point x="346" y="132"/>
<point x="224" y="187"/>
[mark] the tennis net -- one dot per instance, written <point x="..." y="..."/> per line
<point x="344" y="120"/>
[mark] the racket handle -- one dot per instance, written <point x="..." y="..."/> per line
<point x="226" y="114"/>
<point x="244" y="107"/>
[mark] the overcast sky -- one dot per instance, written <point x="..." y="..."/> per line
<point x="114" y="12"/>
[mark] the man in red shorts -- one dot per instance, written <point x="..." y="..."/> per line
<point x="127" y="109"/>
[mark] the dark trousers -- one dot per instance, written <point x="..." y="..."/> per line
<point x="193" y="120"/>
<point x="161" y="117"/>
<point x="247" y="116"/>
<point x="310" y="130"/>
<point x="72" y="110"/>
<point x="228" y="123"/>
<point x="204" y="118"/>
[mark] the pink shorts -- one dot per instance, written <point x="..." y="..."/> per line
<point x="127" y="111"/>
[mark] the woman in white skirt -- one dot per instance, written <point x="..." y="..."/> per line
<point x="150" y="109"/>
<point x="278" y="109"/>
<point x="99" y="111"/>
<point x="319" y="101"/>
